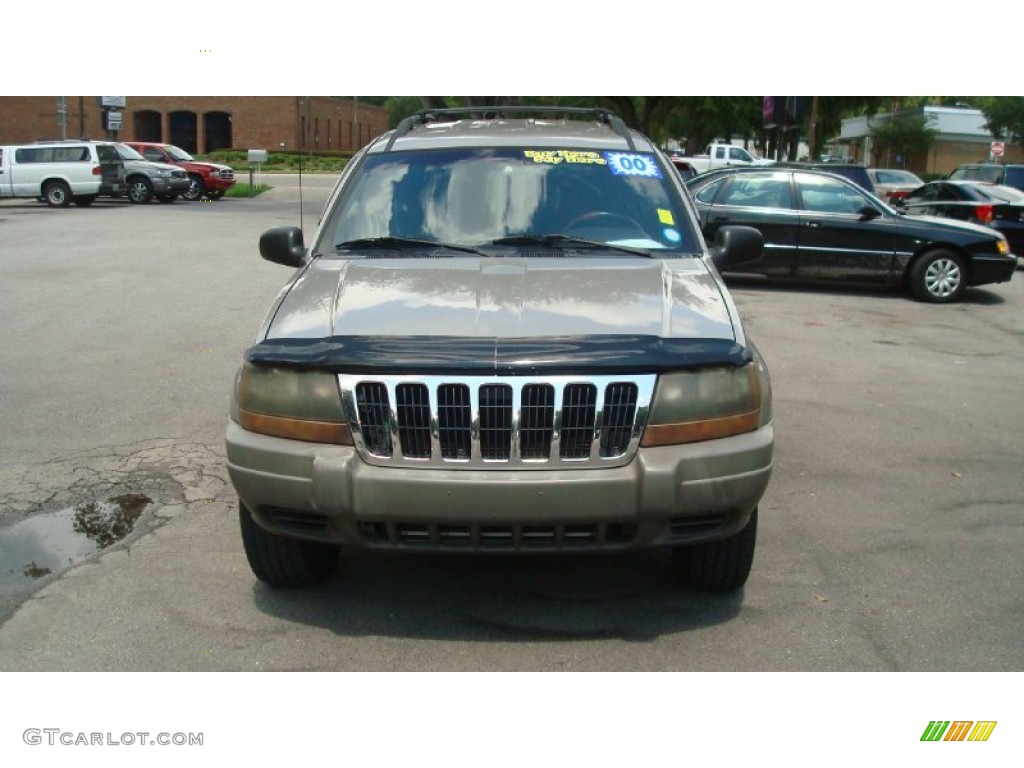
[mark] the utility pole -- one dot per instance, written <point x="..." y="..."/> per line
<point x="814" y="128"/>
<point x="62" y="115"/>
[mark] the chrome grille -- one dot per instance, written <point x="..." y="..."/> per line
<point x="497" y="422"/>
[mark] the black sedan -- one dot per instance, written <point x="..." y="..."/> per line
<point x="993" y="205"/>
<point x="818" y="226"/>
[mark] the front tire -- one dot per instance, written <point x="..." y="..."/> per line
<point x="283" y="562"/>
<point x="195" y="189"/>
<point x="57" y="194"/>
<point x="140" y="191"/>
<point x="216" y="194"/>
<point x="717" y="566"/>
<point x="939" y="277"/>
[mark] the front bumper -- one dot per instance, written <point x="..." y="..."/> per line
<point x="163" y="186"/>
<point x="217" y="184"/>
<point x="666" y="495"/>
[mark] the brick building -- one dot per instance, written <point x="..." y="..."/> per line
<point x="198" y="123"/>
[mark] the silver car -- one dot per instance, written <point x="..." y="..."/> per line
<point x="508" y="335"/>
<point x="145" y="179"/>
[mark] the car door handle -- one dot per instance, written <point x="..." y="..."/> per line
<point x="813" y="224"/>
<point x="719" y="218"/>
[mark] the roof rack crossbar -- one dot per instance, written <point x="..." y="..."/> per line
<point x="425" y="116"/>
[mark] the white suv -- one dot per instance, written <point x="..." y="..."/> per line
<point x="61" y="172"/>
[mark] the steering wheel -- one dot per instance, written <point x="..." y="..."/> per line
<point x="603" y="220"/>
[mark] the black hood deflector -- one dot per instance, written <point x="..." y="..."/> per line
<point x="562" y="355"/>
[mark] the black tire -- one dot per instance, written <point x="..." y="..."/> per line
<point x="216" y="194"/>
<point x="717" y="566"/>
<point x="939" y="277"/>
<point x="195" y="189"/>
<point x="140" y="190"/>
<point x="85" y="200"/>
<point x="169" y="197"/>
<point x="57" y="194"/>
<point x="284" y="562"/>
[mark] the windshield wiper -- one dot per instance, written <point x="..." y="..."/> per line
<point x="400" y="243"/>
<point x="557" y="241"/>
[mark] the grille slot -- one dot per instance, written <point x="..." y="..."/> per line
<point x="619" y="409"/>
<point x="578" y="414"/>
<point x="497" y="422"/>
<point x="374" y="417"/>
<point x="454" y="416"/>
<point x="413" y="408"/>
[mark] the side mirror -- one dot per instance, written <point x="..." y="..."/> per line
<point x="283" y="245"/>
<point x="868" y="212"/>
<point x="736" y="245"/>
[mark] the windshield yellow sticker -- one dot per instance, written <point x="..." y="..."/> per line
<point x="665" y="217"/>
<point x="556" y="156"/>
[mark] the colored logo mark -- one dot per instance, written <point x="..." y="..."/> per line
<point x="958" y="730"/>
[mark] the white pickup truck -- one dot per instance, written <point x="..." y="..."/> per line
<point x="720" y="155"/>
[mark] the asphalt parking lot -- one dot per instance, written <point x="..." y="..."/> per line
<point x="890" y="536"/>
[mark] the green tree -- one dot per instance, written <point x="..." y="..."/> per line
<point x="906" y="136"/>
<point x="1005" y="117"/>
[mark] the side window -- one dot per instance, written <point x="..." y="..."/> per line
<point x="719" y="153"/>
<point x="946" y="194"/>
<point x="738" y="153"/>
<point x="153" y="154"/>
<point x="924" y="194"/>
<point x="820" y="194"/>
<point x="707" y="194"/>
<point x="770" y="190"/>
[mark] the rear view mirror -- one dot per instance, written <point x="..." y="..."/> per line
<point x="283" y="245"/>
<point x="868" y="212"/>
<point x="735" y="245"/>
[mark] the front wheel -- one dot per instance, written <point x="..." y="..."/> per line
<point x="195" y="189"/>
<point x="939" y="277"/>
<point x="216" y="194"/>
<point x="140" y="191"/>
<point x="57" y="194"/>
<point x="717" y="566"/>
<point x="284" y="562"/>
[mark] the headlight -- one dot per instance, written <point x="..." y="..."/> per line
<point x="1002" y="246"/>
<point x="297" y="405"/>
<point x="162" y="173"/>
<point x="691" y="406"/>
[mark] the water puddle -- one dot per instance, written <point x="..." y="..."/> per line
<point x="48" y="543"/>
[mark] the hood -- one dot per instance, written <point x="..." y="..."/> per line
<point x="204" y="164"/>
<point x="143" y="164"/>
<point x="931" y="223"/>
<point x="503" y="298"/>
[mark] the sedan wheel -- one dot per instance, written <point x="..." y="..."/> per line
<point x="939" y="277"/>
<point x="140" y="191"/>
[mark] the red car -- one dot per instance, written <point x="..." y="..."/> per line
<point x="209" y="180"/>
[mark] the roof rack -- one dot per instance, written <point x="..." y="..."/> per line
<point x="425" y="116"/>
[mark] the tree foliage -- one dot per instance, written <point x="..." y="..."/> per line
<point x="901" y="136"/>
<point x="1005" y="117"/>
